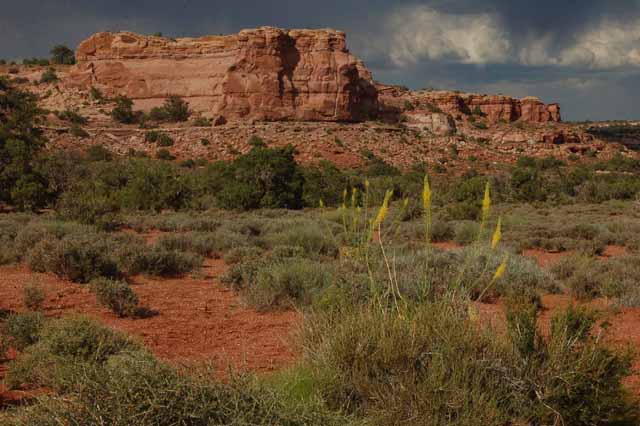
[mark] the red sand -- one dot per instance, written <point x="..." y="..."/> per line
<point x="197" y="319"/>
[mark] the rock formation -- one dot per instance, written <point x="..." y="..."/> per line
<point x="396" y="100"/>
<point x="260" y="74"/>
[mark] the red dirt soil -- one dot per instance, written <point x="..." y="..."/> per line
<point x="198" y="319"/>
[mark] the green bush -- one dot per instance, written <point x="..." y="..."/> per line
<point x="160" y="262"/>
<point x="278" y="185"/>
<point x="175" y="109"/>
<point x="22" y="330"/>
<point x="123" y="111"/>
<point x="287" y="282"/>
<point x="72" y="116"/>
<point x="79" y="258"/>
<point x="65" y="349"/>
<point x="33" y="296"/>
<point x="49" y="76"/>
<point x="435" y="363"/>
<point x="116" y="295"/>
<point x="311" y="237"/>
<point x="139" y="387"/>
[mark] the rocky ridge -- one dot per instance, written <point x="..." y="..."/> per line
<point x="263" y="74"/>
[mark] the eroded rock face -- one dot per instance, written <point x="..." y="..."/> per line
<point x="495" y="108"/>
<point x="260" y="74"/>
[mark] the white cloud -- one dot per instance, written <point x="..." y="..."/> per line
<point x="423" y="33"/>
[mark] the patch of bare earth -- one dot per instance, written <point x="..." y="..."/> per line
<point x="197" y="320"/>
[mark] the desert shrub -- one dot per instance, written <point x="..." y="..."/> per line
<point x="286" y="282"/>
<point x="466" y="232"/>
<point x="78" y="131"/>
<point x="116" y="295"/>
<point x="96" y="94"/>
<point x="203" y="243"/>
<point x="98" y="153"/>
<point x="434" y="362"/>
<point x="587" y="277"/>
<point x="237" y="255"/>
<point x="123" y="111"/>
<point x="72" y="116"/>
<point x="442" y="231"/>
<point x="139" y="387"/>
<point x="22" y="330"/>
<point x="175" y="109"/>
<point x="79" y="258"/>
<point x="164" y="140"/>
<point x="165" y="155"/>
<point x="33" y="296"/>
<point x="161" y="262"/>
<point x="311" y="237"/>
<point x="49" y="76"/>
<point x="63" y="349"/>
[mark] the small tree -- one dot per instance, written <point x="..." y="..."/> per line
<point x="123" y="111"/>
<point x="62" y="55"/>
<point x="176" y="109"/>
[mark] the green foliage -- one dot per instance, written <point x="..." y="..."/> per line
<point x="72" y="116"/>
<point x="20" y="141"/>
<point x="49" y="76"/>
<point x="165" y="263"/>
<point x="389" y="369"/>
<point x="22" y="330"/>
<point x="286" y="282"/>
<point x="62" y="55"/>
<point x="33" y="296"/>
<point x="277" y="184"/>
<point x="175" y="109"/>
<point x="322" y="182"/>
<point x="79" y="258"/>
<point x="117" y="296"/>
<point x="123" y="111"/>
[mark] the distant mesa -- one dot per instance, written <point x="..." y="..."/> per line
<point x="271" y="74"/>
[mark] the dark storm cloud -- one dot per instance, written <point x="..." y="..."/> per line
<point x="579" y="53"/>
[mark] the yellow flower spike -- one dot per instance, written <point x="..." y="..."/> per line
<point x="405" y="203"/>
<point x="426" y="194"/>
<point x="366" y="183"/>
<point x="486" y="205"/>
<point x="473" y="313"/>
<point x="321" y="204"/>
<point x="501" y="269"/>
<point x="344" y="196"/>
<point x="497" y="235"/>
<point x="354" y="194"/>
<point x="384" y="209"/>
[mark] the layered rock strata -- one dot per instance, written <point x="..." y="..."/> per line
<point x="261" y="74"/>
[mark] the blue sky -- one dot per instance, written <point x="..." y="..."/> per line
<point x="583" y="54"/>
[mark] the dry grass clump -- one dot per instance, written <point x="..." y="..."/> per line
<point x="434" y="365"/>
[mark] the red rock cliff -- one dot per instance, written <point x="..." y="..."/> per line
<point x="397" y="100"/>
<point x="262" y="74"/>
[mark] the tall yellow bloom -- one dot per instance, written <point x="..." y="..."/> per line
<point x="497" y="235"/>
<point x="426" y="194"/>
<point x="384" y="209"/>
<point x="501" y="269"/>
<point x="321" y="204"/>
<point x="344" y="197"/>
<point x="486" y="205"/>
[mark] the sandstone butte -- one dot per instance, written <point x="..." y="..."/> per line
<point x="271" y="74"/>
